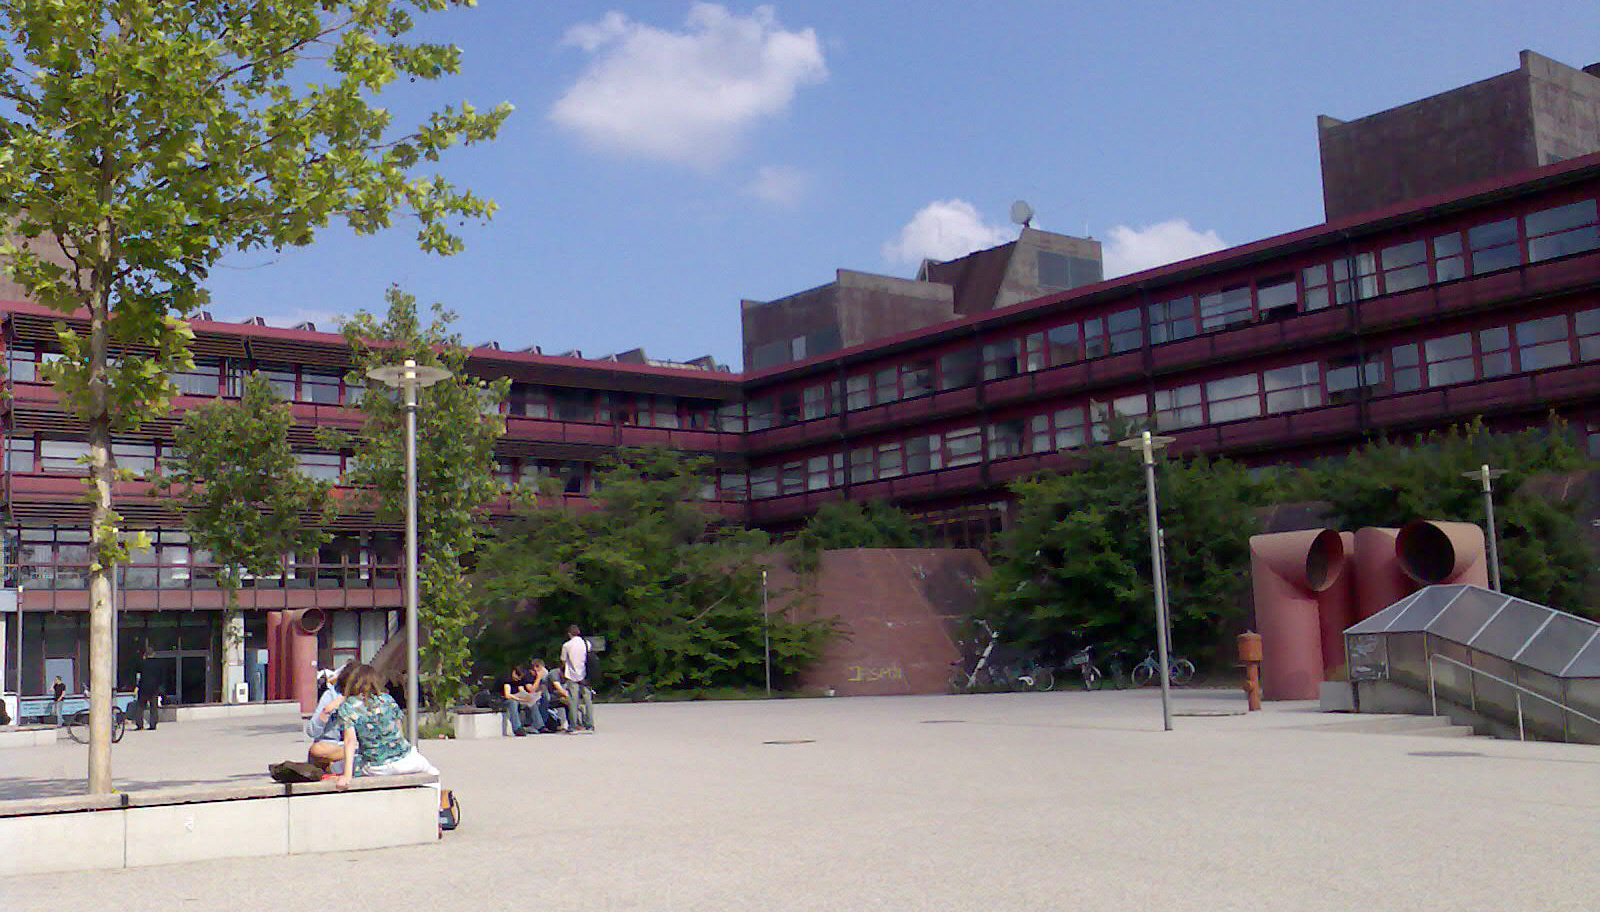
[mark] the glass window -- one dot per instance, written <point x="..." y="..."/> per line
<point x="204" y="379"/>
<point x="858" y="392"/>
<point x="1126" y="331"/>
<point x="1493" y="246"/>
<point x="1094" y="338"/>
<point x="1316" y="282"/>
<point x="1005" y="438"/>
<point x="1172" y="320"/>
<point x="1225" y="307"/>
<point x="963" y="446"/>
<point x="1290" y="388"/>
<point x="1064" y="344"/>
<point x="63" y="457"/>
<point x="571" y="405"/>
<point x="1347" y="375"/>
<point x="923" y="453"/>
<point x="1449" y="359"/>
<point x="891" y="462"/>
<point x="1232" y="398"/>
<point x="1407" y="372"/>
<point x="758" y="413"/>
<point x="1277" y="297"/>
<point x="281" y="378"/>
<point x="1447" y="259"/>
<point x="135" y="457"/>
<point x="958" y="369"/>
<point x="863" y="465"/>
<point x="319" y="387"/>
<point x="318" y="465"/>
<point x="886" y="385"/>
<point x="1494" y="351"/>
<point x="824" y="471"/>
<point x="1543" y="343"/>
<point x="1355" y="278"/>
<point x="730" y="417"/>
<point x="1588" y="323"/>
<point x="817" y="401"/>
<point x="1405" y="266"/>
<point x="1069" y="424"/>
<point x="19" y="453"/>
<point x="1179" y="408"/>
<point x="916" y="378"/>
<point x="764" y="483"/>
<point x="1562" y="230"/>
<point x="1002" y="359"/>
<point x="788" y="408"/>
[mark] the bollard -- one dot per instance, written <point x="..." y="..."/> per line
<point x="1250" y="657"/>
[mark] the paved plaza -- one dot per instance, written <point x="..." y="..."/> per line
<point x="1035" y="802"/>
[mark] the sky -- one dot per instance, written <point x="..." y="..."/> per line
<point x="667" y="160"/>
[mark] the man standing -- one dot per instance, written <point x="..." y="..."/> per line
<point x="148" y="696"/>
<point x="58" y="695"/>
<point x="574" y="669"/>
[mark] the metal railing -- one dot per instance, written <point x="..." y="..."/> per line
<point x="1433" y="698"/>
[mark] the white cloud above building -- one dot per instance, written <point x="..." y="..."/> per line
<point x="780" y="185"/>
<point x="688" y="96"/>
<point x="1129" y="250"/>
<point x="944" y="230"/>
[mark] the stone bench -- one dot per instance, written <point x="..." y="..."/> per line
<point x="480" y="722"/>
<point x="28" y="736"/>
<point x="196" y="823"/>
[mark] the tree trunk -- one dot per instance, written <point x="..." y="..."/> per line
<point x="102" y="646"/>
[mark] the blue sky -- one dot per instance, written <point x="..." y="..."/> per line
<point x="668" y="159"/>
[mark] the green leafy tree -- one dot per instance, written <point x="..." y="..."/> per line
<point x="1543" y="557"/>
<point x="1075" y="566"/>
<point x="677" y="595"/>
<point x="458" y="422"/>
<point x="243" y="498"/>
<point x="146" y="139"/>
<point x="854" y="524"/>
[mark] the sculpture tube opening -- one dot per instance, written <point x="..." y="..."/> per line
<point x="1433" y="552"/>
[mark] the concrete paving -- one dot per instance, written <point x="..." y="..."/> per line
<point x="997" y="802"/>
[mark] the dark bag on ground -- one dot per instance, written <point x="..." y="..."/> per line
<point x="450" y="813"/>
<point x="294" y="771"/>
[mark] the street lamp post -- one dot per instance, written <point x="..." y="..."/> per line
<point x="1147" y="444"/>
<point x="1486" y="476"/>
<point x="408" y="378"/>
<point x="766" y="638"/>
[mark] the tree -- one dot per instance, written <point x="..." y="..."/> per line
<point x="242" y="496"/>
<point x="854" y="524"/>
<point x="1075" y="566"/>
<point x="677" y="595"/>
<point x="1543" y="557"/>
<point x="145" y="139"/>
<point x="458" y="422"/>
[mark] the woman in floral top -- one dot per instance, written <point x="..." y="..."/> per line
<point x="374" y="740"/>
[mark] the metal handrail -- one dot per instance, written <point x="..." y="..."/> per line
<point x="1433" y="698"/>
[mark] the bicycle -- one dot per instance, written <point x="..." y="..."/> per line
<point x="78" y="725"/>
<point x="1084" y="663"/>
<point x="1179" y="671"/>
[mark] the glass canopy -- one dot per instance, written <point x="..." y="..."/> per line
<point x="1544" y="639"/>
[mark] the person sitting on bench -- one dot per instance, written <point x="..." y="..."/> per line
<point x="323" y="728"/>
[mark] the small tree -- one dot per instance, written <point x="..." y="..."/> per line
<point x="677" y="594"/>
<point x="458" y="422"/>
<point x="145" y="140"/>
<point x="853" y="524"/>
<point x="1075" y="567"/>
<point x="243" y="498"/>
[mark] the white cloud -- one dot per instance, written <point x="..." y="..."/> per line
<point x="943" y="230"/>
<point x="1131" y="250"/>
<point x="687" y="96"/>
<point x="780" y="185"/>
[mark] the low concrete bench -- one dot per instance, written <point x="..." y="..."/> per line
<point x="196" y="823"/>
<point x="480" y="722"/>
<point x="28" y="736"/>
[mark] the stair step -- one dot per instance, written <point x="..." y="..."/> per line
<point x="1440" y="731"/>
<point x="1387" y="724"/>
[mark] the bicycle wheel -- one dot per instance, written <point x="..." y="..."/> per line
<point x="1182" y="671"/>
<point x="78" y="726"/>
<point x="1143" y="673"/>
<point x="119" y="725"/>
<point x="1044" y="679"/>
<point x="1091" y="677"/>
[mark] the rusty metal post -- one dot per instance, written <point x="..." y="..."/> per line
<point x="1250" y="658"/>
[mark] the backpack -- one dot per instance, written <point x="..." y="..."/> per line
<point x="591" y="667"/>
<point x="450" y="811"/>
<point x="294" y="771"/>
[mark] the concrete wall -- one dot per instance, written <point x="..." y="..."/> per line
<point x="1566" y="108"/>
<point x="897" y="610"/>
<point x="860" y="306"/>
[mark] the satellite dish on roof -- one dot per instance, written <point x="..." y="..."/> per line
<point x="1021" y="213"/>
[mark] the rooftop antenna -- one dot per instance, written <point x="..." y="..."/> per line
<point x="1022" y="213"/>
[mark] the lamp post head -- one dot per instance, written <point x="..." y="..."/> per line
<point x="408" y="376"/>
<point x="1147" y="443"/>
<point x="1484" y="474"/>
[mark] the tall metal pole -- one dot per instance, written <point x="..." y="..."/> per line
<point x="766" y="639"/>
<point x="411" y="559"/>
<point x="1488" y="511"/>
<point x="1159" y="577"/>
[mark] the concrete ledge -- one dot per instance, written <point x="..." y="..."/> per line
<point x="199" y="711"/>
<point x="28" y="736"/>
<point x="171" y="825"/>
<point x="480" y="723"/>
<point x="1337" y="696"/>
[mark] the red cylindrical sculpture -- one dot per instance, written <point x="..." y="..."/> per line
<point x="300" y="635"/>
<point x="1289" y="570"/>
<point x="1337" y="605"/>
<point x="1443" y="553"/>
<point x="274" y="655"/>
<point x="1380" y="582"/>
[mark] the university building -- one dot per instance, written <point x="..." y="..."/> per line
<point x="1419" y="304"/>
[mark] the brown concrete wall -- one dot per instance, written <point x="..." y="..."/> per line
<point x="897" y="610"/>
<point x="872" y="306"/>
<point x="1566" y="108"/>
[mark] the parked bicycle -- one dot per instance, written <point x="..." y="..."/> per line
<point x="986" y="674"/>
<point x="1180" y="671"/>
<point x="1083" y="662"/>
<point x="78" y="725"/>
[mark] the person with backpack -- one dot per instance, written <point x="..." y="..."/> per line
<point x="575" y="654"/>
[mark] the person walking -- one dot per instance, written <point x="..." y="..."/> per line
<point x="147" y="702"/>
<point x="574" y="671"/>
<point x="59" y="693"/>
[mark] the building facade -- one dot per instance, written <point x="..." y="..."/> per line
<point x="1478" y="301"/>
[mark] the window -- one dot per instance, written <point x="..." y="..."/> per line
<point x="1356" y="277"/>
<point x="1033" y="356"/>
<point x="1225" y="307"/>
<point x="891" y="462"/>
<point x="1061" y="430"/>
<point x="1291" y="388"/>
<point x="528" y="401"/>
<point x="63" y="457"/>
<point x="1002" y="359"/>
<point x="135" y="457"/>
<point x="764" y="483"/>
<point x="1277" y="297"/>
<point x="1407" y="372"/>
<point x="886" y="385"/>
<point x="1094" y="338"/>
<point x="1494" y="351"/>
<point x="923" y="453"/>
<point x="1316" y="282"/>
<point x="1179" y="408"/>
<point x="1493" y="246"/>
<point x="319" y="387"/>
<point x="1448" y="263"/>
<point x="19" y="453"/>
<point x="662" y="411"/>
<point x="733" y="485"/>
<point x="1172" y="320"/>
<point x="1346" y="376"/>
<point x="281" y="378"/>
<point x="1059" y="270"/>
<point x="958" y="368"/>
<point x="1543" y="343"/>
<point x="204" y="379"/>
<point x="1234" y="397"/>
<point x="571" y="405"/>
<point x="824" y="471"/>
<point x="1118" y="417"/>
<point x="1588" y="323"/>
<point x="758" y="413"/>
<point x="730" y="417"/>
<point x="1449" y="359"/>
<point x="963" y="446"/>
<point x="858" y="392"/>
<point x="1064" y="344"/>
<point x="1005" y="438"/>
<point x="792" y="480"/>
<point x="863" y="464"/>
<point x="1562" y="230"/>
<point x="818" y="401"/>
<point x="318" y="465"/>
<point x="1125" y="330"/>
<point x="1405" y="266"/>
